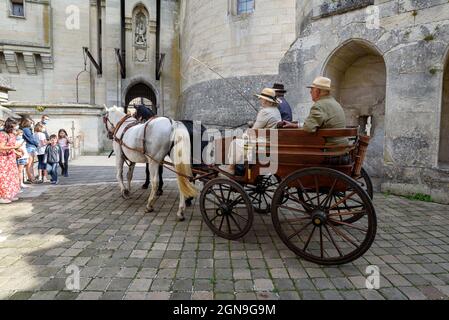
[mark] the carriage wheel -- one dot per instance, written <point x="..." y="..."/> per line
<point x="226" y="208"/>
<point x="262" y="193"/>
<point x="312" y="228"/>
<point x="365" y="182"/>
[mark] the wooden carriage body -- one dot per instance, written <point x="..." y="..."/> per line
<point x="296" y="149"/>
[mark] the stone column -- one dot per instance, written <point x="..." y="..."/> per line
<point x="111" y="71"/>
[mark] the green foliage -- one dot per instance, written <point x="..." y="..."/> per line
<point x="420" y="197"/>
<point x="433" y="71"/>
<point x="414" y="13"/>
<point x="429" y="37"/>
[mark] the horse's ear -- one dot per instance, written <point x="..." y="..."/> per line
<point x="106" y="108"/>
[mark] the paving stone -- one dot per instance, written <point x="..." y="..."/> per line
<point x="89" y="295"/>
<point x="140" y="285"/>
<point x="263" y="285"/>
<point x="159" y="295"/>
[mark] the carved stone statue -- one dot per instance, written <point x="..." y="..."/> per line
<point x="141" y="29"/>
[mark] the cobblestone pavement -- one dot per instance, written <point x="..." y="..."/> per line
<point x="123" y="253"/>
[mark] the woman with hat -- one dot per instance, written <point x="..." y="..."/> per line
<point x="268" y="118"/>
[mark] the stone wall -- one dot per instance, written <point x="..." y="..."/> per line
<point x="248" y="47"/>
<point x="412" y="39"/>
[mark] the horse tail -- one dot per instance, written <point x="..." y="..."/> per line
<point x="182" y="160"/>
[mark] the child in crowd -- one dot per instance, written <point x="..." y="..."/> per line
<point x="52" y="157"/>
<point x="64" y="142"/>
<point x="39" y="135"/>
<point x="23" y="160"/>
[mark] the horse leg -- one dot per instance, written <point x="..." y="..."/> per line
<point x="182" y="207"/>
<point x="147" y="179"/>
<point x="154" y="185"/>
<point x="130" y="177"/>
<point x="160" y="191"/>
<point x="119" y="165"/>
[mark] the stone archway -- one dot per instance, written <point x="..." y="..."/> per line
<point x="443" y="155"/>
<point x="358" y="74"/>
<point x="140" y="93"/>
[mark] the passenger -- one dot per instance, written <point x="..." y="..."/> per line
<point x="267" y="118"/>
<point x="326" y="113"/>
<point x="284" y="106"/>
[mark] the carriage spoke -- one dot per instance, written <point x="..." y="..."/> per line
<point x="308" y="240"/>
<point x="349" y="225"/>
<point x="321" y="242"/>
<point x="299" y="231"/>
<point x="221" y="223"/>
<point x="294" y="209"/>
<point x="235" y="221"/>
<point x="291" y="196"/>
<point x="229" y="224"/>
<point x="293" y="220"/>
<point x="303" y="190"/>
<point x="239" y="215"/>
<point x="341" y="234"/>
<point x="211" y="201"/>
<point x="342" y="200"/>
<point x="348" y="213"/>
<point x="328" y="197"/>
<point x="333" y="241"/>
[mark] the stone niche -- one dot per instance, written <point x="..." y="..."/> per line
<point x="141" y="32"/>
<point x="358" y="75"/>
<point x="444" y="127"/>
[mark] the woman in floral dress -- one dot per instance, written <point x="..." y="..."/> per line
<point x="9" y="174"/>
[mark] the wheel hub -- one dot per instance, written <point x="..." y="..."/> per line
<point x="224" y="209"/>
<point x="319" y="218"/>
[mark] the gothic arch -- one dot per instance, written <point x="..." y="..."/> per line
<point x="139" y="87"/>
<point x="359" y="76"/>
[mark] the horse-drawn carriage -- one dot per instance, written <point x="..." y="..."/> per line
<point x="319" y="197"/>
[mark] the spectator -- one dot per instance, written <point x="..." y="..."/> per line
<point x="53" y="156"/>
<point x="9" y="181"/>
<point x="39" y="135"/>
<point x="64" y="144"/>
<point x="31" y="145"/>
<point x="45" y="119"/>
<point x="23" y="160"/>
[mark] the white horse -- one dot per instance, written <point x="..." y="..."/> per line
<point x="161" y="133"/>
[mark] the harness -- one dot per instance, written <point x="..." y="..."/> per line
<point x="113" y="135"/>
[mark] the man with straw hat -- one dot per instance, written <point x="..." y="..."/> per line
<point x="268" y="117"/>
<point x="326" y="113"/>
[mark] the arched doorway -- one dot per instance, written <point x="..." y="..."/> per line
<point x="443" y="155"/>
<point x="358" y="73"/>
<point x="139" y="94"/>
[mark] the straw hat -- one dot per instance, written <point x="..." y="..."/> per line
<point x="322" y="83"/>
<point x="269" y="95"/>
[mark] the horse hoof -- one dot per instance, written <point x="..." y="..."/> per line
<point x="145" y="186"/>
<point x="181" y="219"/>
<point x="149" y="210"/>
<point x="159" y="193"/>
<point x="188" y="203"/>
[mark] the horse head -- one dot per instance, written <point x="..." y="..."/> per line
<point x="111" y="117"/>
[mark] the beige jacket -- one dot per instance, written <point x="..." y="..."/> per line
<point x="268" y="118"/>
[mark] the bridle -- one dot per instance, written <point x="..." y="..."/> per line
<point x="110" y="133"/>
